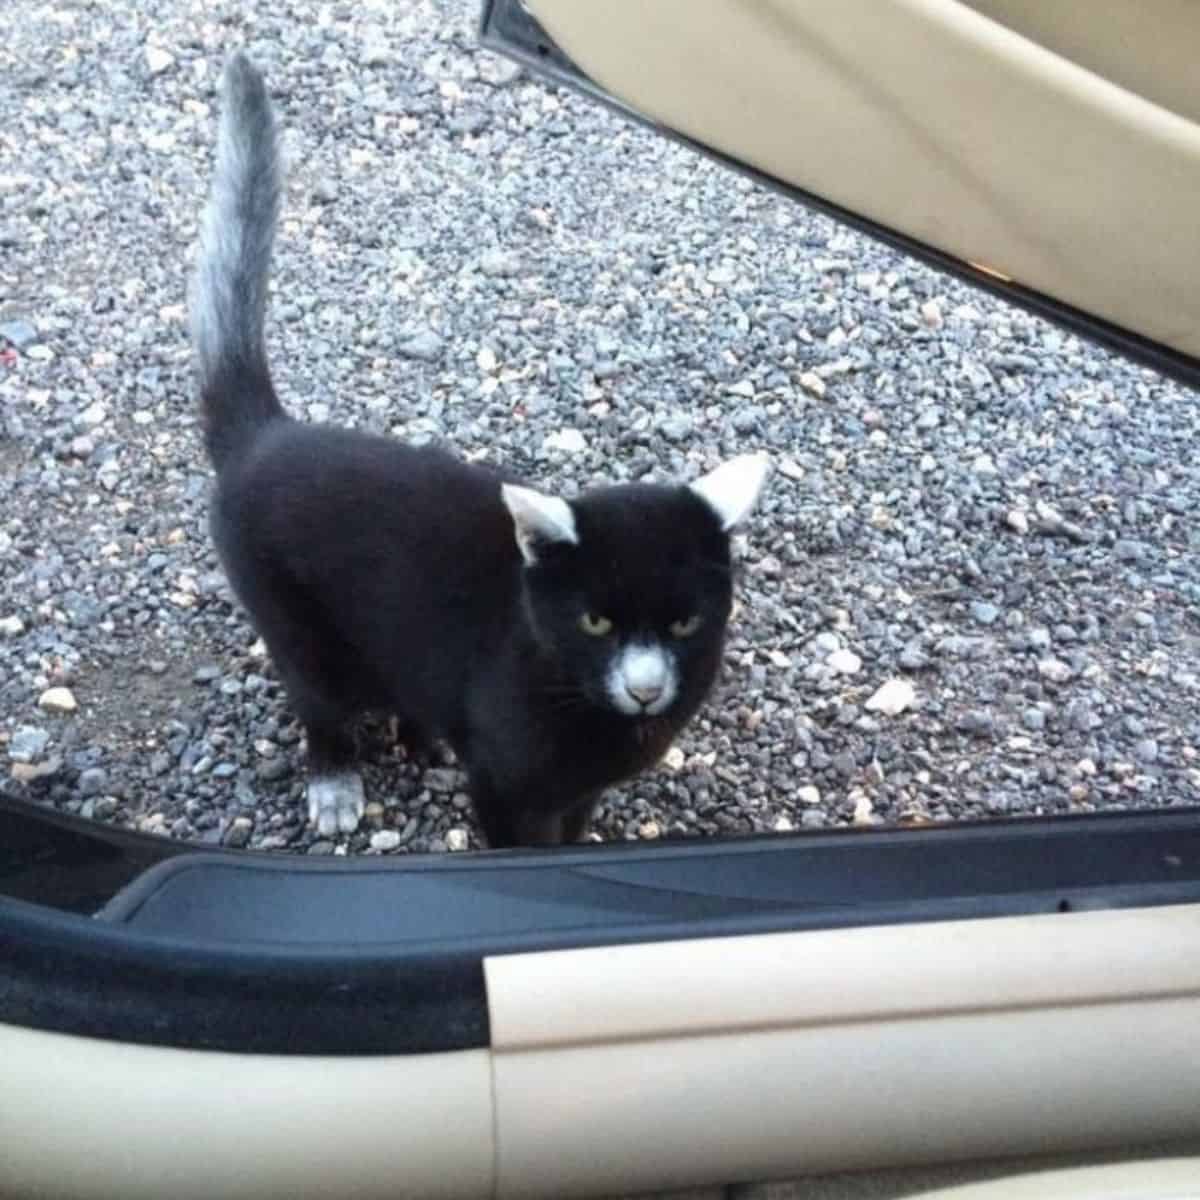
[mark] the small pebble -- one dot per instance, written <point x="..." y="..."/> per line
<point x="892" y="698"/>
<point x="58" y="700"/>
<point x="1146" y="750"/>
<point x="238" y="833"/>
<point x="844" y="662"/>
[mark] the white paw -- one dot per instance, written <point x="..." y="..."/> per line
<point x="336" y="802"/>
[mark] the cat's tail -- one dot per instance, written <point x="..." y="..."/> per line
<point x="229" y="289"/>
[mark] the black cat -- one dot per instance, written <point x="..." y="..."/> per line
<point x="558" y="646"/>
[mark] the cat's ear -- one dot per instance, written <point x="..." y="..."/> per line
<point x="538" y="519"/>
<point x="732" y="490"/>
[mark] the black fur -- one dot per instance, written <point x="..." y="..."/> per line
<point x="384" y="577"/>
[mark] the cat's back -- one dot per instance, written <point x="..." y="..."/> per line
<point x="320" y="493"/>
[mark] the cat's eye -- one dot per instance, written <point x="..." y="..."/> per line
<point x="595" y="625"/>
<point x="684" y="629"/>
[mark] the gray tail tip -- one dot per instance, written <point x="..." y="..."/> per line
<point x="242" y="79"/>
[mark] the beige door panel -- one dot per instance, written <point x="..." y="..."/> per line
<point x="626" y="1068"/>
<point x="932" y="119"/>
<point x="84" y="1119"/>
<point x="1164" y="1179"/>
<point x="1147" y="47"/>
<point x="636" y="1067"/>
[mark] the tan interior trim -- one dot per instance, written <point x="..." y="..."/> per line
<point x="94" y="1120"/>
<point x="791" y="1054"/>
<point x="660" y="1066"/>
<point x="849" y="976"/>
<point x="1158" y="1179"/>
<point x="635" y="1116"/>
<point x="1147" y="47"/>
<point x="933" y="119"/>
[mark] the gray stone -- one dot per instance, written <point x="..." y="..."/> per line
<point x="1033" y="719"/>
<point x="424" y="346"/>
<point x="746" y="419"/>
<point x="27" y="743"/>
<point x="1130" y="550"/>
<point x="19" y="334"/>
<point x="1038" y="639"/>
<point x="984" y="613"/>
<point x="976" y="722"/>
<point x="273" y="769"/>
<point x="499" y="264"/>
<point x="443" y="780"/>
<point x="471" y="122"/>
<point x="676" y="428"/>
<point x="93" y="781"/>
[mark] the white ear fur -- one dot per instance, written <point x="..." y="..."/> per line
<point x="732" y="490"/>
<point x="538" y="518"/>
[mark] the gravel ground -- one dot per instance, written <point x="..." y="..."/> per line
<point x="966" y="500"/>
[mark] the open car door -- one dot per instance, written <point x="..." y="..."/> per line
<point x="1046" y="151"/>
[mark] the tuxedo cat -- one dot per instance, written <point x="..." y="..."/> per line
<point x="557" y="645"/>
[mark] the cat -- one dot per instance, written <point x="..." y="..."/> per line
<point x="557" y="645"/>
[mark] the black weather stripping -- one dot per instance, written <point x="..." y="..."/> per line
<point x="277" y="954"/>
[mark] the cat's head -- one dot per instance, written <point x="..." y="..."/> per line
<point x="630" y="587"/>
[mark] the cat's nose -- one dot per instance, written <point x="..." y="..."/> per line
<point x="646" y="693"/>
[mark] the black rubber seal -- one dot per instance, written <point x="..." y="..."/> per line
<point x="276" y="954"/>
<point x="66" y="974"/>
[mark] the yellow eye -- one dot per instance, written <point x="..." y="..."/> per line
<point x="684" y="629"/>
<point x="595" y="625"/>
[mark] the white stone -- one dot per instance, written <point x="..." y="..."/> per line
<point x="384" y="840"/>
<point x="1017" y="520"/>
<point x="11" y="626"/>
<point x="809" y="795"/>
<point x="810" y="381"/>
<point x="1054" y="669"/>
<point x="569" y="441"/>
<point x="844" y="662"/>
<point x="58" y="700"/>
<point x="93" y="415"/>
<point x="892" y="698"/>
<point x="456" y="839"/>
<point x="158" y="59"/>
<point x="864" y="811"/>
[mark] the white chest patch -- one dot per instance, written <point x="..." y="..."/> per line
<point x="643" y="679"/>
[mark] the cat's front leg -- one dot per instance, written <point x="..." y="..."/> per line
<point x="336" y="799"/>
<point x="516" y="815"/>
